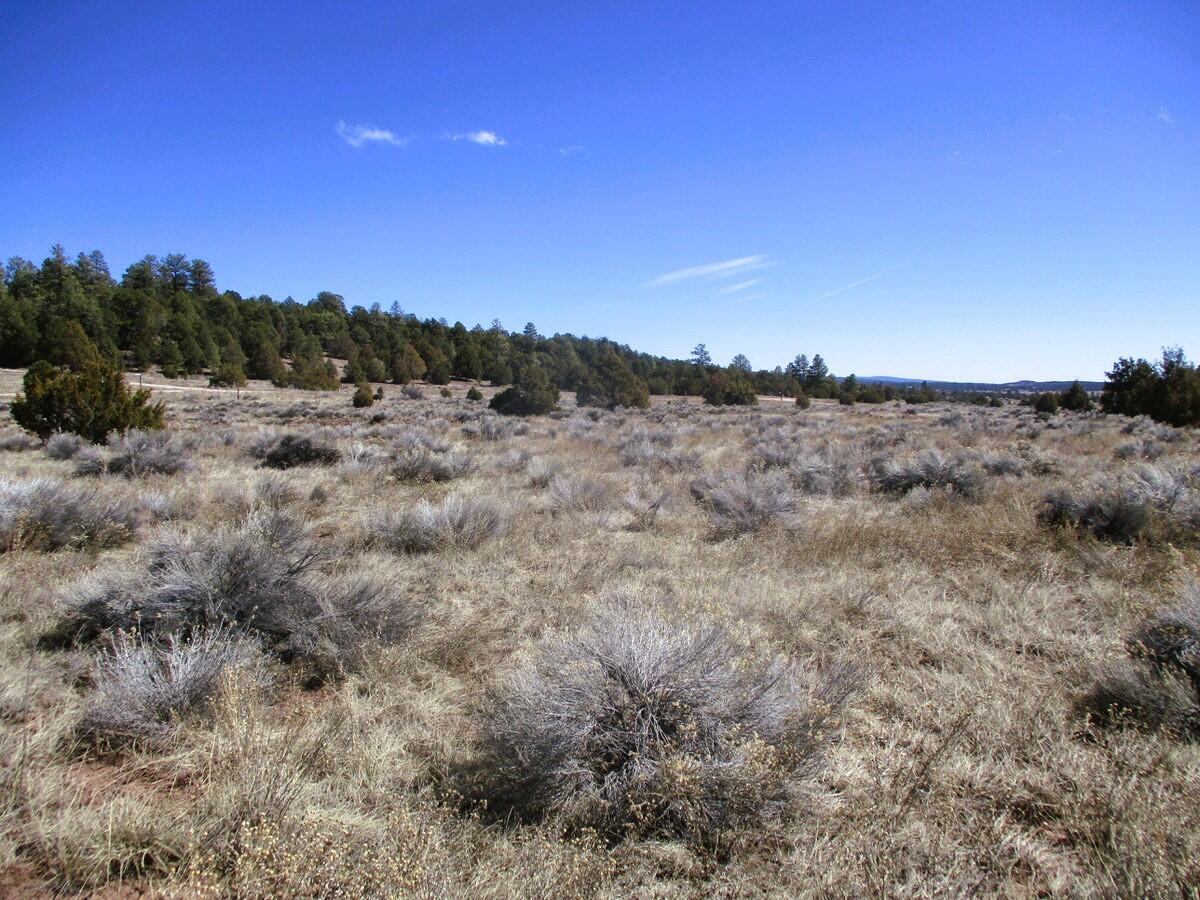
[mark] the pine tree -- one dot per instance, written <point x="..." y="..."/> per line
<point x="742" y="364"/>
<point x="701" y="356"/>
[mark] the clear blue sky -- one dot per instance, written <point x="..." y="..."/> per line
<point x="960" y="190"/>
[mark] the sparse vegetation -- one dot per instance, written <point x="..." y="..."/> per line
<point x="345" y="660"/>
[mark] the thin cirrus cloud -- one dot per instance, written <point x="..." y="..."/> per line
<point x="361" y="135"/>
<point x="740" y="286"/>
<point x="711" y="270"/>
<point x="1164" y="115"/>
<point x="483" y="138"/>
<point x="853" y="284"/>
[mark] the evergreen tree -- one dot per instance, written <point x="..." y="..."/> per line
<point x="701" y="356"/>
<point x="611" y="383"/>
<point x="531" y="395"/>
<point x="742" y="364"/>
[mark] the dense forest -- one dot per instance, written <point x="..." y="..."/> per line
<point x="169" y="312"/>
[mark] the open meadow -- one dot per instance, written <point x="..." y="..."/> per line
<point x="293" y="648"/>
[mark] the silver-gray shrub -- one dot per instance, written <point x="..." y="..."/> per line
<point x="746" y="502"/>
<point x="63" y="445"/>
<point x="13" y="441"/>
<point x="47" y="514"/>
<point x="143" y="690"/>
<point x="136" y="453"/>
<point x="636" y="725"/>
<point x="458" y="522"/>
<point x="579" y="493"/>
<point x="821" y="474"/>
<point x="423" y="465"/>
<point x="260" y="576"/>
<point x="929" y="469"/>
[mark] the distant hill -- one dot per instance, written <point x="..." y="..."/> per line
<point x="1023" y="387"/>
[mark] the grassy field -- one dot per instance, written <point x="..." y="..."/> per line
<point x="676" y="652"/>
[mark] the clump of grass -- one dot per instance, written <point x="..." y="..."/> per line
<point x="458" y="522"/>
<point x="137" y="453"/>
<point x="638" y="726"/>
<point x="930" y="469"/>
<point x="746" y="502"/>
<point x="644" y="501"/>
<point x="294" y="450"/>
<point x="259" y="577"/>
<point x="1159" y="688"/>
<point x="412" y="392"/>
<point x="142" y="690"/>
<point x="47" y="514"/>
<point x="63" y="445"/>
<point x="419" y="464"/>
<point x="542" y="470"/>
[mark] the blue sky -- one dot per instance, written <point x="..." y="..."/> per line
<point x="961" y="190"/>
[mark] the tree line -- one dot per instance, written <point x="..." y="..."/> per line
<point x="168" y="312"/>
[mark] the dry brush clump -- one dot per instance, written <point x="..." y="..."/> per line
<point x="291" y="450"/>
<point x="420" y="464"/>
<point x="579" y="493"/>
<point x="1148" y="501"/>
<point x="633" y="725"/>
<point x="746" y="502"/>
<point x="259" y="577"/>
<point x="458" y="522"/>
<point x="1159" y="687"/>
<point x="63" y="445"/>
<point x="48" y="514"/>
<point x="143" y="690"/>
<point x="930" y="469"/>
<point x="136" y="453"/>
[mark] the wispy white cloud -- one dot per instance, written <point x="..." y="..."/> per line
<point x="1164" y="115"/>
<point x="740" y="286"/>
<point x="853" y="284"/>
<point x="483" y="138"/>
<point x="359" y="135"/>
<point x="711" y="270"/>
<point x="746" y="298"/>
<point x="572" y="150"/>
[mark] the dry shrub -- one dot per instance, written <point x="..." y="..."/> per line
<point x="822" y="475"/>
<point x="294" y="450"/>
<point x="746" y="502"/>
<point x="930" y="469"/>
<point x="137" y="453"/>
<point x="578" y="493"/>
<point x="458" y="522"/>
<point x="1159" y="689"/>
<point x="634" y="725"/>
<point x="258" y="577"/>
<point x="1148" y="500"/>
<point x="63" y="445"/>
<point x="419" y="464"/>
<point x="47" y="514"/>
<point x="143" y="690"/>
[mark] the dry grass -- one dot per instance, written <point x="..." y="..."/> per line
<point x="903" y="541"/>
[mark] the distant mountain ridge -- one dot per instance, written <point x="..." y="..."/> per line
<point x="1025" y="387"/>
